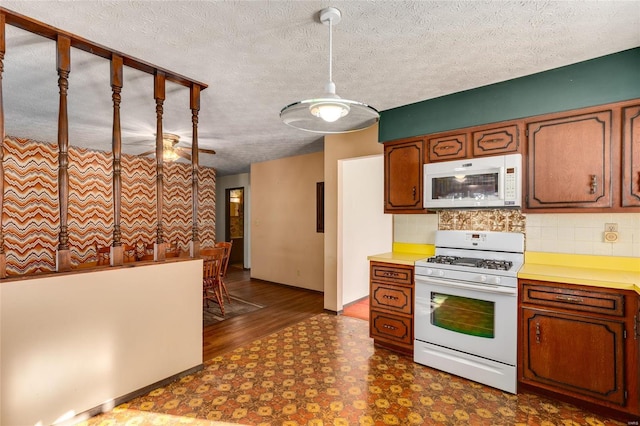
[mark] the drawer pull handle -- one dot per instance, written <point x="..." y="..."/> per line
<point x="570" y="299"/>
<point x="494" y="140"/>
<point x="390" y="274"/>
<point x="389" y="327"/>
<point x="386" y="296"/>
<point x="594" y="184"/>
<point x="538" y="334"/>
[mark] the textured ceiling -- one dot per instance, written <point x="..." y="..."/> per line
<point x="259" y="56"/>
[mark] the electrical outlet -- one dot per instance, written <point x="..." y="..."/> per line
<point x="610" y="227"/>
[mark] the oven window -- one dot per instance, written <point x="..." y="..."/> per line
<point x="478" y="187"/>
<point x="464" y="315"/>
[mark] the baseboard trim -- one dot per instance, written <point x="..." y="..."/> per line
<point x="109" y="405"/>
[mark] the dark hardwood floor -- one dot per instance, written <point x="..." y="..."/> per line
<point x="284" y="305"/>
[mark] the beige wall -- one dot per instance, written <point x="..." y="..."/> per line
<point x="285" y="247"/>
<point x="72" y="342"/>
<point x="338" y="147"/>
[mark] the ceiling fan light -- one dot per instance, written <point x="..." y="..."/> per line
<point x="168" y="142"/>
<point x="329" y="111"/>
<point x="169" y="155"/>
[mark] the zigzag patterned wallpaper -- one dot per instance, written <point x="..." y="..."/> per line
<point x="178" y="209"/>
<point x="30" y="220"/>
<point x="207" y="206"/>
<point x="138" y="205"/>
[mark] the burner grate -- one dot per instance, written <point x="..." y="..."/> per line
<point x="502" y="265"/>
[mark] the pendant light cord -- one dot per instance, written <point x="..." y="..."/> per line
<point x="330" y="49"/>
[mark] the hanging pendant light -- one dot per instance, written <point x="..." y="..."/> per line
<point x="329" y="113"/>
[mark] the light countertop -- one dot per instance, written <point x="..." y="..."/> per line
<point x="621" y="273"/>
<point x="404" y="254"/>
<point x="397" y="257"/>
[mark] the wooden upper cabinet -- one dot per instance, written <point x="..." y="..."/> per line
<point x="631" y="156"/>
<point x="447" y="147"/>
<point x="501" y="140"/>
<point x="569" y="161"/>
<point x="403" y="171"/>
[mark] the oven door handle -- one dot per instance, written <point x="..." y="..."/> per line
<point x="507" y="291"/>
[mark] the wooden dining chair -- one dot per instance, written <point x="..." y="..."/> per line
<point x="227" y="253"/>
<point x="145" y="251"/>
<point x="103" y="255"/>
<point x="172" y="250"/>
<point x="129" y="253"/>
<point x="213" y="261"/>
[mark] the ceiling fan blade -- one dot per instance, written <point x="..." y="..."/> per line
<point x="206" y="151"/>
<point x="147" y="153"/>
<point x="183" y="154"/>
<point x="145" y="141"/>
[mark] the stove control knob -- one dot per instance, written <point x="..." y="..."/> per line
<point x="496" y="280"/>
<point x="483" y="278"/>
<point x="429" y="271"/>
<point x="441" y="273"/>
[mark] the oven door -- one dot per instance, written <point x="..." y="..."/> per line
<point x="473" y="318"/>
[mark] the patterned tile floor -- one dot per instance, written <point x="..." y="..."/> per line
<point x="326" y="371"/>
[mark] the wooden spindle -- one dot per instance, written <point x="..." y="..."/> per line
<point x="64" y="68"/>
<point x="117" y="257"/>
<point x="159" y="95"/>
<point x="195" y="108"/>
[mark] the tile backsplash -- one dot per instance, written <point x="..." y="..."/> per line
<point x="583" y="233"/>
<point x="482" y="220"/>
<point x="580" y="233"/>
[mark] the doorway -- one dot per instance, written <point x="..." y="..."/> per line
<point x="234" y="225"/>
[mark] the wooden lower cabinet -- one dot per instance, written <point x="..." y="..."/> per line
<point x="580" y="342"/>
<point x="391" y="299"/>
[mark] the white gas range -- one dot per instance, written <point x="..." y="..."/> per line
<point x="466" y="306"/>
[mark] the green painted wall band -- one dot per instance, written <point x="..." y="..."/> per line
<point x="607" y="79"/>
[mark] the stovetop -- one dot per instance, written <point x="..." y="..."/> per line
<point x="502" y="265"/>
<point x="480" y="252"/>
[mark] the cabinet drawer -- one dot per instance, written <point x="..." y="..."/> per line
<point x="576" y="300"/>
<point x="389" y="273"/>
<point x="391" y="297"/>
<point x="391" y="328"/>
<point x="448" y="147"/>
<point x="500" y="140"/>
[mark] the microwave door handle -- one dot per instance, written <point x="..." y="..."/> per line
<point x="501" y="184"/>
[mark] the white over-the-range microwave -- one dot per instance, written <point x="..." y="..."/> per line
<point x="476" y="182"/>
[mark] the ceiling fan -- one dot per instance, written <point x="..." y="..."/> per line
<point x="172" y="152"/>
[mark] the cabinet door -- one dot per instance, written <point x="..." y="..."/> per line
<point x="501" y="140"/>
<point x="403" y="170"/>
<point x="578" y="354"/>
<point x="449" y="147"/>
<point x="631" y="157"/>
<point x="569" y="161"/>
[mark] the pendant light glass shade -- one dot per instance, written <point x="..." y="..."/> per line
<point x="329" y="113"/>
